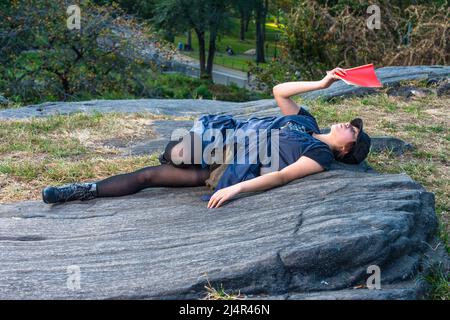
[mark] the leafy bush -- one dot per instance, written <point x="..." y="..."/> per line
<point x="320" y="35"/>
<point x="179" y="86"/>
<point x="202" y="91"/>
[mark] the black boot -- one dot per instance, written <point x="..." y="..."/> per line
<point x="70" y="192"/>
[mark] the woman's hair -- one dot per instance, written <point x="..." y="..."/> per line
<point x="357" y="150"/>
<point x="337" y="154"/>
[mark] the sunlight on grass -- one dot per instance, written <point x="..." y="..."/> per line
<point x="220" y="294"/>
<point x="439" y="280"/>
<point x="274" y="26"/>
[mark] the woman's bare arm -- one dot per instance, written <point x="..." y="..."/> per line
<point x="283" y="91"/>
<point x="302" y="167"/>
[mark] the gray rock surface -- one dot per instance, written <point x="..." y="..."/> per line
<point x="443" y="89"/>
<point x="310" y="239"/>
<point x="4" y="101"/>
<point x="395" y="145"/>
<point x="408" y="92"/>
<point x="171" y="107"/>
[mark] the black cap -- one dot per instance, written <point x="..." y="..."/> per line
<point x="361" y="148"/>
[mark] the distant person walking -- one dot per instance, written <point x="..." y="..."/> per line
<point x="229" y="51"/>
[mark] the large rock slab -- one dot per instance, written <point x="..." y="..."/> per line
<point x="308" y="239"/>
<point x="169" y="107"/>
<point x="4" y="101"/>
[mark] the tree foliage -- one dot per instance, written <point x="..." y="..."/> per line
<point x="320" y="35"/>
<point x="41" y="59"/>
<point x="202" y="16"/>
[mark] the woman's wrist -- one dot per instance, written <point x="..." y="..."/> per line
<point x="323" y="84"/>
<point x="239" y="186"/>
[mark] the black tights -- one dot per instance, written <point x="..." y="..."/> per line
<point x="167" y="174"/>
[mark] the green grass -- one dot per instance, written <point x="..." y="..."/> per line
<point x="25" y="170"/>
<point x="237" y="61"/>
<point x="160" y="86"/>
<point x="388" y="125"/>
<point x="413" y="109"/>
<point x="439" y="281"/>
<point x="425" y="129"/>
<point x="220" y="293"/>
<point x="40" y="136"/>
<point x="178" y="86"/>
<point x="327" y="113"/>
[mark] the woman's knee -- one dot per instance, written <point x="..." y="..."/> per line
<point x="176" y="154"/>
<point x="182" y="153"/>
<point x="171" y="176"/>
<point x="145" y="176"/>
<point x="190" y="175"/>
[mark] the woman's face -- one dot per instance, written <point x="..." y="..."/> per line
<point x="344" y="133"/>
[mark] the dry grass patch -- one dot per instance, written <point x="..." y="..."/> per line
<point x="23" y="180"/>
<point x="68" y="148"/>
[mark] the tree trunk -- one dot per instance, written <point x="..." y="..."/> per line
<point x="211" y="52"/>
<point x="247" y="21"/>
<point x="259" y="32"/>
<point x="242" y="33"/>
<point x="64" y="83"/>
<point x="189" y="40"/>
<point x="201" y="52"/>
<point x="66" y="87"/>
<point x="263" y="23"/>
<point x="264" y="17"/>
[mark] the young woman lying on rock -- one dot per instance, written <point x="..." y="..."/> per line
<point x="301" y="150"/>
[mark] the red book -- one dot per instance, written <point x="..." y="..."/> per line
<point x="363" y="76"/>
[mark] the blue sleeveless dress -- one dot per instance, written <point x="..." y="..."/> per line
<point x="294" y="137"/>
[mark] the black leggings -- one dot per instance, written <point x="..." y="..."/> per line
<point x="167" y="174"/>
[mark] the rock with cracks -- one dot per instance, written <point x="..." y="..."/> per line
<point x="313" y="238"/>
